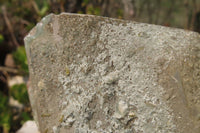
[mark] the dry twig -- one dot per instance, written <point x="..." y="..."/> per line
<point x="10" y="28"/>
<point x="9" y="70"/>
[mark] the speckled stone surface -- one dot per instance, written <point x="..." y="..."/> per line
<point x="93" y="74"/>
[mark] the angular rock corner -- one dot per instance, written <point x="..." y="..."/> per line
<point x="94" y="74"/>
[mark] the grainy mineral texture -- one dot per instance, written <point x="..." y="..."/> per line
<point x="92" y="74"/>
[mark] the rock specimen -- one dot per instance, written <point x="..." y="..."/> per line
<point x="93" y="74"/>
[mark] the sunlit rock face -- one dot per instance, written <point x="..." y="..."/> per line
<point x="92" y="74"/>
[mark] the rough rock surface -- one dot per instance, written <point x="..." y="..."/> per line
<point x="100" y="75"/>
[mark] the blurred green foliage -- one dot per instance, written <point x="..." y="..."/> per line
<point x="86" y="2"/>
<point x="19" y="93"/>
<point x="22" y="11"/>
<point x="25" y="117"/>
<point x="8" y="112"/>
<point x="43" y="7"/>
<point x="1" y="38"/>
<point x="30" y="26"/>
<point x="20" y="59"/>
<point x="120" y="13"/>
<point x="93" y="10"/>
<point x="5" y="117"/>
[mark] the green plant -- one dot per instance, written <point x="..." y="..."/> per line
<point x="1" y="38"/>
<point x="30" y="26"/>
<point x="19" y="93"/>
<point x="42" y="7"/>
<point x="25" y="117"/>
<point x="5" y="114"/>
<point x="93" y="10"/>
<point x="85" y="2"/>
<point x="120" y="13"/>
<point x="20" y="59"/>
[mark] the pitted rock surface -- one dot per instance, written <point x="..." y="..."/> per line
<point x="92" y="74"/>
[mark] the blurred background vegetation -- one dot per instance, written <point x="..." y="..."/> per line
<point x="18" y="17"/>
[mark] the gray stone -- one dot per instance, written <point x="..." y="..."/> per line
<point x="92" y="74"/>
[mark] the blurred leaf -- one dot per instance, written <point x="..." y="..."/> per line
<point x="84" y="3"/>
<point x="20" y="58"/>
<point x="93" y="10"/>
<point x="97" y="11"/>
<point x="30" y="26"/>
<point x="80" y="12"/>
<point x="5" y="117"/>
<point x="6" y="121"/>
<point x="25" y="116"/>
<point x="44" y="9"/>
<point x="89" y="9"/>
<point x="19" y="92"/>
<point x="3" y="102"/>
<point x="22" y="12"/>
<point x="1" y="38"/>
<point x="120" y="13"/>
